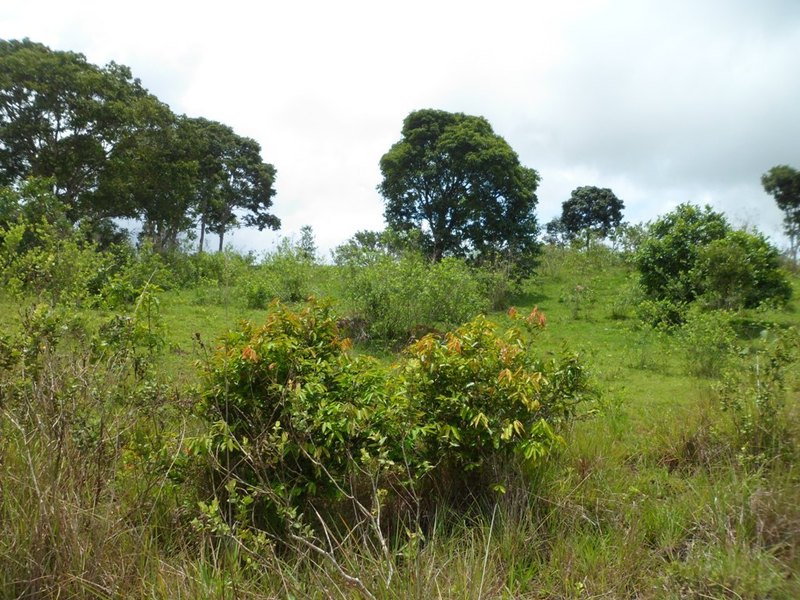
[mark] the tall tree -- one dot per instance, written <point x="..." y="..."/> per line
<point x="783" y="183"/>
<point x="591" y="210"/>
<point x="462" y="186"/>
<point x="234" y="180"/>
<point x="62" y="118"/>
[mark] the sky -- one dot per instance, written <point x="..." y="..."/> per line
<point x="662" y="101"/>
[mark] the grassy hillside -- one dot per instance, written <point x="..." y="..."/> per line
<point x="661" y="489"/>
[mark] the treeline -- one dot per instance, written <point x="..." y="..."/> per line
<point x="109" y="149"/>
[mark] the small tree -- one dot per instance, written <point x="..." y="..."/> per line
<point x="591" y="210"/>
<point x="692" y="253"/>
<point x="783" y="183"/>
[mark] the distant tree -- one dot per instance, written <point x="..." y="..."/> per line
<point x="306" y="246"/>
<point x="783" y="183"/>
<point x="154" y="178"/>
<point x="63" y="118"/>
<point x="462" y="186"/>
<point x="555" y="233"/>
<point x="233" y="181"/>
<point x="591" y="210"/>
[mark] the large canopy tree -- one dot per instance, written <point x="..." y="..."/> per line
<point x="783" y="183"/>
<point x="63" y="118"/>
<point x="462" y="186"/>
<point x="113" y="150"/>
<point x="591" y="210"/>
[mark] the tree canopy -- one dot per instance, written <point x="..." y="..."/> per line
<point x="111" y="149"/>
<point x="591" y="210"/>
<point x="783" y="183"/>
<point x="462" y="186"/>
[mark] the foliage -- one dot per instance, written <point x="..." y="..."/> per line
<point x="399" y="298"/>
<point x="62" y="117"/>
<point x="462" y="186"/>
<point x="591" y="210"/>
<point x="110" y="149"/>
<point x="488" y="396"/>
<point x="47" y="259"/>
<point x="234" y="178"/>
<point x="741" y="269"/>
<point x="285" y="275"/>
<point x="693" y="253"/>
<point x="708" y="341"/>
<point x="783" y="183"/>
<point x="753" y="392"/>
<point x="296" y="419"/>
<point x="291" y="411"/>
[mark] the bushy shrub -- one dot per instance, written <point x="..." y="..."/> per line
<point x="293" y="413"/>
<point x="741" y="270"/>
<point x="668" y="256"/>
<point x="295" y="421"/>
<point x="399" y="297"/>
<point x="38" y="258"/>
<point x="692" y="253"/>
<point x="485" y="395"/>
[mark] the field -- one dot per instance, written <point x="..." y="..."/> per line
<point x="664" y="487"/>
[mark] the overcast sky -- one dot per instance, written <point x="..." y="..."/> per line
<point x="664" y="101"/>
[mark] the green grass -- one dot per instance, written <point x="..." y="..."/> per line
<point x="648" y="499"/>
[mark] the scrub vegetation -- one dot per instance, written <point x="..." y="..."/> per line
<point x="447" y="409"/>
<point x="374" y="429"/>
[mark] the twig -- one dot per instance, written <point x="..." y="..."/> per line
<point x="349" y="579"/>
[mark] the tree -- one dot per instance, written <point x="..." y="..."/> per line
<point x="233" y="178"/>
<point x="692" y="253"/>
<point x="783" y="183"/>
<point x="460" y="184"/>
<point x="591" y="210"/>
<point x="155" y="178"/>
<point x="62" y="118"/>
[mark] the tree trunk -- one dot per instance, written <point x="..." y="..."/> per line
<point x="221" y="237"/>
<point x="202" y="233"/>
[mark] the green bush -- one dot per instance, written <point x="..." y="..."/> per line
<point x="741" y="270"/>
<point x="692" y="253"/>
<point x="484" y="395"/>
<point x="38" y="258"/>
<point x="296" y="422"/>
<point x="399" y="297"/>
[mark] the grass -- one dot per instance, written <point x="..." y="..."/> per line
<point x="648" y="499"/>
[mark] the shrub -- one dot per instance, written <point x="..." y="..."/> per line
<point x="295" y="422"/>
<point x="38" y="258"/>
<point x="293" y="413"/>
<point x="693" y="253"/>
<point x="741" y="270"/>
<point x="667" y="258"/>
<point x="487" y="396"/>
<point x="398" y="297"/>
